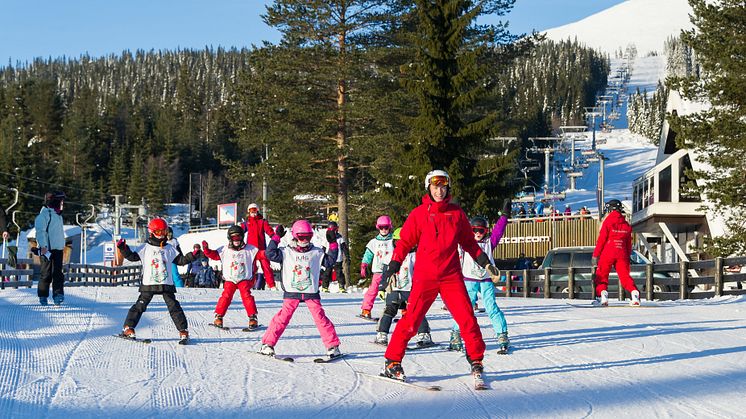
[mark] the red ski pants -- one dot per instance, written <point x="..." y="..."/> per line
<point x="424" y="291"/>
<point x="267" y="271"/>
<point x="229" y="288"/>
<point x="621" y="264"/>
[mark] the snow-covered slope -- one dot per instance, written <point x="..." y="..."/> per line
<point x="644" y="23"/>
<point x="678" y="359"/>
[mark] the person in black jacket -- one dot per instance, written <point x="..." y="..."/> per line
<point x="344" y="254"/>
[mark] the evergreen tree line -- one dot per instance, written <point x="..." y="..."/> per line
<point x="646" y="113"/>
<point x="365" y="119"/>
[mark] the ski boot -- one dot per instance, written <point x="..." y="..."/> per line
<point x="324" y="289"/>
<point x="58" y="299"/>
<point x="393" y="369"/>
<point x="382" y="338"/>
<point x="477" y="369"/>
<point x="342" y="290"/>
<point x="183" y="337"/>
<point x="253" y="322"/>
<point x="602" y="300"/>
<point x="424" y="340"/>
<point x="128" y="332"/>
<point x="635" y="299"/>
<point x="43" y="301"/>
<point x="455" y="343"/>
<point x="503" y="341"/>
<point x="365" y="314"/>
<point x="218" y="322"/>
<point x="333" y="352"/>
<point x="268" y="350"/>
<point x="476" y="307"/>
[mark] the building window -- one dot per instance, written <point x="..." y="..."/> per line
<point x="664" y="185"/>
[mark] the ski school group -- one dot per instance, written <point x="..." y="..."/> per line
<point x="438" y="251"/>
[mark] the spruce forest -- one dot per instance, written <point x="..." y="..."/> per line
<point x="354" y="105"/>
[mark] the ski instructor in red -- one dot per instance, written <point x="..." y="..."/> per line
<point x="437" y="228"/>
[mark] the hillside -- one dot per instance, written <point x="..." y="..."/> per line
<point x="644" y="23"/>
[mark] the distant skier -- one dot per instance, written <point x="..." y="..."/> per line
<point x="395" y="290"/>
<point x="50" y="236"/>
<point x="205" y="278"/>
<point x="479" y="281"/>
<point x="301" y="266"/>
<point x="239" y="261"/>
<point x="156" y="256"/>
<point x="614" y="248"/>
<point x="178" y="282"/>
<point x="377" y="254"/>
<point x="256" y="227"/>
<point x="344" y="254"/>
<point x="437" y="228"/>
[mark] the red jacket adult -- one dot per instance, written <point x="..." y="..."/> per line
<point x="615" y="238"/>
<point x="437" y="228"/>
<point x="255" y="228"/>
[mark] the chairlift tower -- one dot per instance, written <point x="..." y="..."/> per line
<point x="547" y="153"/>
<point x="573" y="133"/>
<point x="593" y="113"/>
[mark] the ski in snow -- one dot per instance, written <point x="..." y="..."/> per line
<point x="279" y="358"/>
<point x="381" y="376"/>
<point x="370" y="319"/>
<point x="617" y="305"/>
<point x="251" y="329"/>
<point x="327" y="359"/>
<point x="133" y="339"/>
<point x="418" y="346"/>
<point x="219" y="327"/>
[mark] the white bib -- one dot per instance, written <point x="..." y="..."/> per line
<point x="238" y="265"/>
<point x="470" y="268"/>
<point x="156" y="264"/>
<point x="300" y="271"/>
<point x="382" y="251"/>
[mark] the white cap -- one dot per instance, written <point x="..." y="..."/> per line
<point x="252" y="205"/>
<point x="435" y="173"/>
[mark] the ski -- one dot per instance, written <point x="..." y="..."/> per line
<point x="503" y="351"/>
<point x="592" y="305"/>
<point x="370" y="319"/>
<point x="121" y="336"/>
<point x="251" y="329"/>
<point x="381" y="376"/>
<point x="380" y="344"/>
<point x="327" y="359"/>
<point x="418" y="346"/>
<point x="219" y="327"/>
<point x="184" y="341"/>
<point x="279" y="358"/>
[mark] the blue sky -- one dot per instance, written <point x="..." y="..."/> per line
<point x="33" y="28"/>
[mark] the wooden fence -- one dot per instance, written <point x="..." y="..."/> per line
<point x="78" y="275"/>
<point x="684" y="280"/>
<point x="19" y="276"/>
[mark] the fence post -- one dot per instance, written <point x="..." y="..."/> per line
<point x="683" y="276"/>
<point x="719" y="280"/>
<point x="547" y="275"/>
<point x="649" y="282"/>
<point x="571" y="282"/>
<point x="508" y="283"/>
<point x="526" y="281"/>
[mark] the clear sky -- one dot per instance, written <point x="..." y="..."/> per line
<point x="33" y="28"/>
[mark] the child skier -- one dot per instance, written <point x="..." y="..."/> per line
<point x="479" y="281"/>
<point x="301" y="266"/>
<point x="239" y="267"/>
<point x="157" y="278"/>
<point x="396" y="299"/>
<point x="378" y="252"/>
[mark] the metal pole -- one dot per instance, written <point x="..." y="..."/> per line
<point x="117" y="218"/>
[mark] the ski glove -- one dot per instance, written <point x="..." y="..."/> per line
<point x="280" y="230"/>
<point x="363" y="270"/>
<point x="331" y="236"/>
<point x="594" y="261"/>
<point x="205" y="245"/>
<point x="121" y="243"/>
<point x="507" y="204"/>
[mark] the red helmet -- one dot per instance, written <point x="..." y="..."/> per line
<point x="158" y="227"/>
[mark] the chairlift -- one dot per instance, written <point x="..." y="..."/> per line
<point x="528" y="194"/>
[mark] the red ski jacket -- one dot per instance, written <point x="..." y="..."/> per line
<point x="437" y="228"/>
<point x="615" y="237"/>
<point x="255" y="227"/>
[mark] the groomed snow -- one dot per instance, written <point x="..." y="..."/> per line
<point x="679" y="359"/>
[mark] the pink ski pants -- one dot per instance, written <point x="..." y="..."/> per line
<point x="281" y="320"/>
<point x="370" y="296"/>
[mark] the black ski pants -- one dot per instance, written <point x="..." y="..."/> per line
<point x="174" y="309"/>
<point x="51" y="273"/>
<point x="395" y="301"/>
<point x="326" y="277"/>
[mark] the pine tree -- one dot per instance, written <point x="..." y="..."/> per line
<point x="718" y="134"/>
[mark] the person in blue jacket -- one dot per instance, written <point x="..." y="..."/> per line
<point x="50" y="236"/>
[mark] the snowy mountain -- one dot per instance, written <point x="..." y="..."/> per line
<point x="644" y="23"/>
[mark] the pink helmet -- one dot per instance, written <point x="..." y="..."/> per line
<point x="383" y="220"/>
<point x="302" y="227"/>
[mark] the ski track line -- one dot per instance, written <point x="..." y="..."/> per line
<point x="70" y="356"/>
<point x="341" y="397"/>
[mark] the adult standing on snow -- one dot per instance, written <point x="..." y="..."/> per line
<point x="437" y="228"/>
<point x="613" y="248"/>
<point x="255" y="228"/>
<point x="50" y="236"/>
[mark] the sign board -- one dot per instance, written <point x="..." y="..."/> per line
<point x="108" y="252"/>
<point x="227" y="213"/>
